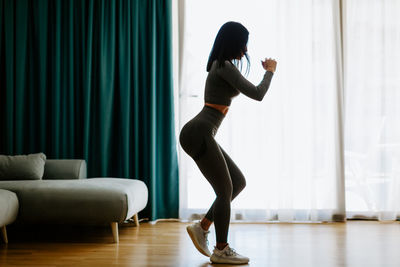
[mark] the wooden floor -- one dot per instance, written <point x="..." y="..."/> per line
<point x="353" y="244"/>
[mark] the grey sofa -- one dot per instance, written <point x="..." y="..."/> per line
<point x="65" y="196"/>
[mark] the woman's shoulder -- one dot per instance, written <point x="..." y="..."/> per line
<point x="226" y="62"/>
<point x="225" y="69"/>
<point x="226" y="65"/>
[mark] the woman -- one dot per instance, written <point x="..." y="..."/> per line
<point x="224" y="82"/>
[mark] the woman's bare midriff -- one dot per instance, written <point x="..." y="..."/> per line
<point x="222" y="108"/>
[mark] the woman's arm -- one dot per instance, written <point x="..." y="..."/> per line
<point x="233" y="76"/>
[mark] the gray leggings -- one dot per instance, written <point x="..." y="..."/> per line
<point x="197" y="140"/>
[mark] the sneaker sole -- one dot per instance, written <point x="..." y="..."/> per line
<point x="195" y="243"/>
<point x="224" y="261"/>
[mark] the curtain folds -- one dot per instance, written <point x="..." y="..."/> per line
<point x="325" y="142"/>
<point x="372" y="107"/>
<point x="290" y="145"/>
<point x="93" y="80"/>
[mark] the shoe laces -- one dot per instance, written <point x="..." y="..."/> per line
<point x="230" y="252"/>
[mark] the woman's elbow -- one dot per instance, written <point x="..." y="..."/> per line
<point x="260" y="97"/>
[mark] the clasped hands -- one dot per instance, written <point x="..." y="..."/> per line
<point x="269" y="64"/>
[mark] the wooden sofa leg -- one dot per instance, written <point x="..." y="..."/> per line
<point x="4" y="234"/>
<point x="114" y="229"/>
<point x="136" y="219"/>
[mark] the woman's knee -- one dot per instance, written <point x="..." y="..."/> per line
<point x="239" y="185"/>
<point x="226" y="193"/>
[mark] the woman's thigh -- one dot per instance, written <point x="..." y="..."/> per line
<point x="214" y="167"/>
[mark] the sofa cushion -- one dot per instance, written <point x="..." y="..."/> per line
<point x="22" y="167"/>
<point x="61" y="169"/>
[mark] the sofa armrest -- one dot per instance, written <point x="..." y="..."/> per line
<point x="64" y="169"/>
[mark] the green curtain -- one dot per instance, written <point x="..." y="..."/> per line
<point x="92" y="79"/>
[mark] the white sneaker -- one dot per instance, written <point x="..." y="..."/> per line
<point x="228" y="255"/>
<point x="199" y="238"/>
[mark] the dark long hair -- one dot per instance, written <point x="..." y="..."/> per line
<point x="230" y="42"/>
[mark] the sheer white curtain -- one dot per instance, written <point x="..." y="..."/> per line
<point x="372" y="104"/>
<point x="290" y="145"/>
